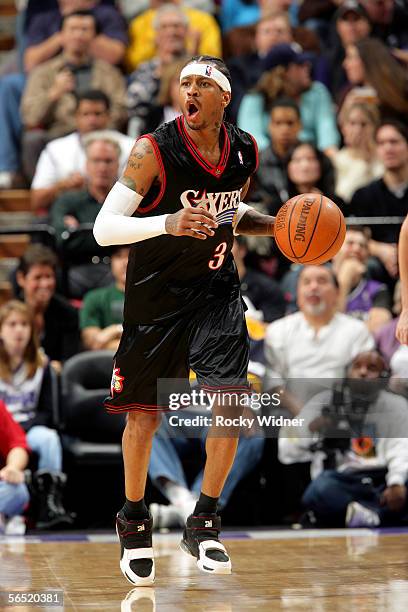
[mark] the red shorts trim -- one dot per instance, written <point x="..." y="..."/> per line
<point x="112" y="409"/>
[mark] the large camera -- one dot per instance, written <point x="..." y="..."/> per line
<point x="344" y="419"/>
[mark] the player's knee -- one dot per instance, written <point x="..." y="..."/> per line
<point x="139" y="424"/>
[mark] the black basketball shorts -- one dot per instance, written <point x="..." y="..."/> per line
<point x="212" y="341"/>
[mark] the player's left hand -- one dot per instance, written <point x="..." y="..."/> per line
<point x="194" y="222"/>
<point x="394" y="497"/>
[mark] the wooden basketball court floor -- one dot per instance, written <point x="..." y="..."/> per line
<point x="316" y="571"/>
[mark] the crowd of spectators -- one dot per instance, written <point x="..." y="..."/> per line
<point x="323" y="88"/>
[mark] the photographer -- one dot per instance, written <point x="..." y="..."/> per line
<point x="354" y="438"/>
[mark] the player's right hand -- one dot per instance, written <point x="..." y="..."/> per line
<point x="194" y="222"/>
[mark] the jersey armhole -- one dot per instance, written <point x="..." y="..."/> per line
<point x="256" y="153"/>
<point x="157" y="153"/>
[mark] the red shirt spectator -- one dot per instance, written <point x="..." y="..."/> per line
<point x="11" y="434"/>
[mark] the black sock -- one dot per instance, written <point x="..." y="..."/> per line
<point x="206" y="504"/>
<point x="135" y="511"/>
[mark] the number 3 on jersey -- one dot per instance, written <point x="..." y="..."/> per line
<point x="218" y="257"/>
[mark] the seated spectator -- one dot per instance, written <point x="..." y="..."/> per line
<point x="49" y="100"/>
<point x="61" y="166"/>
<point x="43" y="41"/>
<point x="387" y="196"/>
<point x="314" y="343"/>
<point x="389" y="21"/>
<point x="287" y="73"/>
<point x="352" y="24"/>
<point x="204" y="37"/>
<point x="101" y="314"/>
<point x="272" y="29"/>
<point x="271" y="179"/>
<point x="25" y="389"/>
<point x="74" y="208"/>
<point x="241" y="40"/>
<point x="44" y="38"/>
<point x="263" y="292"/>
<point x="14" y="457"/>
<point x="359" y="480"/>
<point x="385" y="337"/>
<point x="360" y="296"/>
<point x="376" y="78"/>
<point x="310" y="171"/>
<point x="55" y="320"/>
<point x="171" y="28"/>
<point x="167" y="472"/>
<point x="356" y="163"/>
<point x="399" y="371"/>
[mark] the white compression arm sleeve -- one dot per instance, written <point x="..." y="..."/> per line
<point x="242" y="209"/>
<point x="115" y="224"/>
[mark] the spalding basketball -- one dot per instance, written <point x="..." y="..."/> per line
<point x="309" y="229"/>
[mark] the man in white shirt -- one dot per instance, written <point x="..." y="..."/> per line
<point x="61" y="166"/>
<point x="313" y="344"/>
<point x="365" y="482"/>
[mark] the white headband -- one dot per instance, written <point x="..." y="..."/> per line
<point x="208" y="71"/>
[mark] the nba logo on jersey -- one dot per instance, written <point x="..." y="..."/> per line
<point x="241" y="161"/>
<point x="208" y="71"/>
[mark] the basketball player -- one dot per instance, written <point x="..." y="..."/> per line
<point x="179" y="204"/>
<point x="402" y="327"/>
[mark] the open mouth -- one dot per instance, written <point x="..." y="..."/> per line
<point x="192" y="110"/>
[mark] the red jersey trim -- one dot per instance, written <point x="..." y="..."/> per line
<point x="162" y="175"/>
<point x="256" y="152"/>
<point x="217" y="170"/>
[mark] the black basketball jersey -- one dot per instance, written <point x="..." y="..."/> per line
<point x="171" y="275"/>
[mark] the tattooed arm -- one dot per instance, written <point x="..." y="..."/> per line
<point x="250" y="222"/>
<point x="254" y="223"/>
<point x="142" y="168"/>
<point x="115" y="224"/>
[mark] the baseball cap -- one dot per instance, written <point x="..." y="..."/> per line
<point x="285" y="54"/>
<point x="351" y="6"/>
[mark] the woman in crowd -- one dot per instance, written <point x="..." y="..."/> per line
<point x="377" y="78"/>
<point x="356" y="163"/>
<point x="26" y="389"/>
<point x="310" y="171"/>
